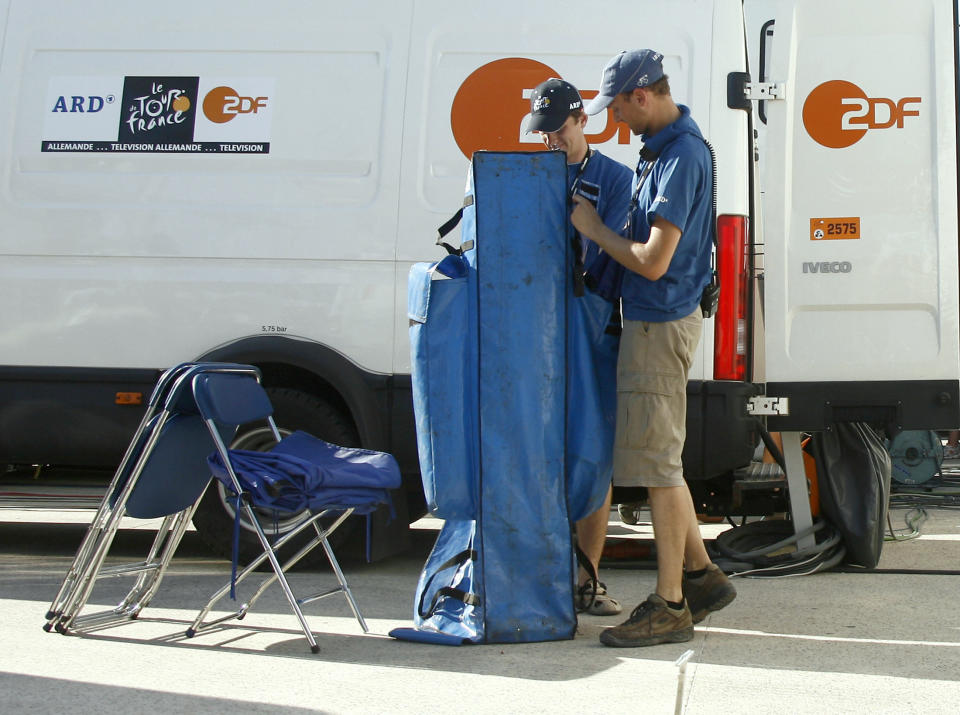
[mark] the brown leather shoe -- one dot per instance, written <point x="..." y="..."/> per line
<point x="652" y="622"/>
<point x="710" y="592"/>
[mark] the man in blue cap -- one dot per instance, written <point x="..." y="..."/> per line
<point x="665" y="246"/>
<point x="556" y="112"/>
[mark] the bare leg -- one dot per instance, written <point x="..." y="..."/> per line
<point x="591" y="535"/>
<point x="678" y="539"/>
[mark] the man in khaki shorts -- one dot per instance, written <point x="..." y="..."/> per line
<point x="666" y="247"/>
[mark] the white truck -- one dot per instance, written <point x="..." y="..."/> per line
<point x="252" y="181"/>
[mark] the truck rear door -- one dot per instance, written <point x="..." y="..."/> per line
<point x="860" y="213"/>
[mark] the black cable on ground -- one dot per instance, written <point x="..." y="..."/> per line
<point x="768" y="549"/>
<point x="908" y="498"/>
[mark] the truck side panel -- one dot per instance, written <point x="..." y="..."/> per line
<point x="126" y="247"/>
<point x="860" y="213"/>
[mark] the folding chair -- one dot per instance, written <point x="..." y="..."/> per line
<point x="162" y="474"/>
<point x="299" y="474"/>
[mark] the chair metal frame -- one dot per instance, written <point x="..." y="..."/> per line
<point x="320" y="538"/>
<point x="88" y="564"/>
<point x="176" y="393"/>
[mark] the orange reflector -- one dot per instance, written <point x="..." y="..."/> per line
<point x="129" y="398"/>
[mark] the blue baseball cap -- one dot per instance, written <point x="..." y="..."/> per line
<point x="625" y="72"/>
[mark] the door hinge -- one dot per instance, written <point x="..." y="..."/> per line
<point x="763" y="91"/>
<point x="741" y="91"/>
<point x="764" y="405"/>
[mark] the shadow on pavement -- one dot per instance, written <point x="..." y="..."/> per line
<point x="28" y="693"/>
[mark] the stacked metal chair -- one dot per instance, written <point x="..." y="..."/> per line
<point x="170" y="423"/>
<point x="191" y="418"/>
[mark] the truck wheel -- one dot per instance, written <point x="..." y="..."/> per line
<point x="293" y="410"/>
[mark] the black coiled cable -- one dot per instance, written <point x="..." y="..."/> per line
<point x="762" y="549"/>
<point x="757" y="549"/>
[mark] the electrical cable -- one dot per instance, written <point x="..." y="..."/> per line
<point x="799" y="568"/>
<point x="913" y="525"/>
<point x="770" y="549"/>
<point x="760" y="549"/>
<point x="916" y="499"/>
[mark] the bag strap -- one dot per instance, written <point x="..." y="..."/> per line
<point x="448" y="591"/>
<point x="593" y="580"/>
<point x="451" y="224"/>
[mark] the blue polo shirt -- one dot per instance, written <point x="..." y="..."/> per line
<point x="606" y="183"/>
<point x="679" y="189"/>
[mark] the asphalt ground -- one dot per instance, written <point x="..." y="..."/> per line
<point x="878" y="642"/>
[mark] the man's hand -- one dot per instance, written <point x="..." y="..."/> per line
<point x="650" y="259"/>
<point x="584" y="217"/>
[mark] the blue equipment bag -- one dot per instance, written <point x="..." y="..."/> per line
<point x="592" y="402"/>
<point x="443" y="354"/>
<point x="515" y="436"/>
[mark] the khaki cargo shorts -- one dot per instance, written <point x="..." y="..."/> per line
<point x="652" y="369"/>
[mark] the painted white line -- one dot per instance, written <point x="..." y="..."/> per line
<point x="836" y="639"/>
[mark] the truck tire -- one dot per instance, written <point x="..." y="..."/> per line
<point x="293" y="410"/>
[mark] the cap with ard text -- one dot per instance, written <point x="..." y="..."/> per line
<point x="625" y="72"/>
<point x="551" y="103"/>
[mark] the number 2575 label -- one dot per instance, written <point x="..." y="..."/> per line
<point x="832" y="229"/>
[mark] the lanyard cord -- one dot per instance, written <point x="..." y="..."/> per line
<point x="576" y="243"/>
<point x="583" y="166"/>
<point x="635" y="199"/>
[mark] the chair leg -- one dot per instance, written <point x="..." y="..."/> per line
<point x="149" y="582"/>
<point x="341" y="578"/>
<point x="86" y="576"/>
<point x="291" y="562"/>
<point x="269" y="553"/>
<point x="95" y="530"/>
<point x="149" y="573"/>
<point x="199" y="625"/>
<point x="321" y="538"/>
<point x="278" y="571"/>
<point x="74" y="575"/>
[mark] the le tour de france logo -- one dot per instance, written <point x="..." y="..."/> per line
<point x="838" y="114"/>
<point x="158" y="109"/>
<point x="492" y="104"/>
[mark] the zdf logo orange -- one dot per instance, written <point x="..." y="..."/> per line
<point x="491" y="105"/>
<point x="838" y="114"/>
<point x="224" y="103"/>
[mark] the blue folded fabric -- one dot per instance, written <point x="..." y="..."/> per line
<point x="303" y="472"/>
<point x="348" y="466"/>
